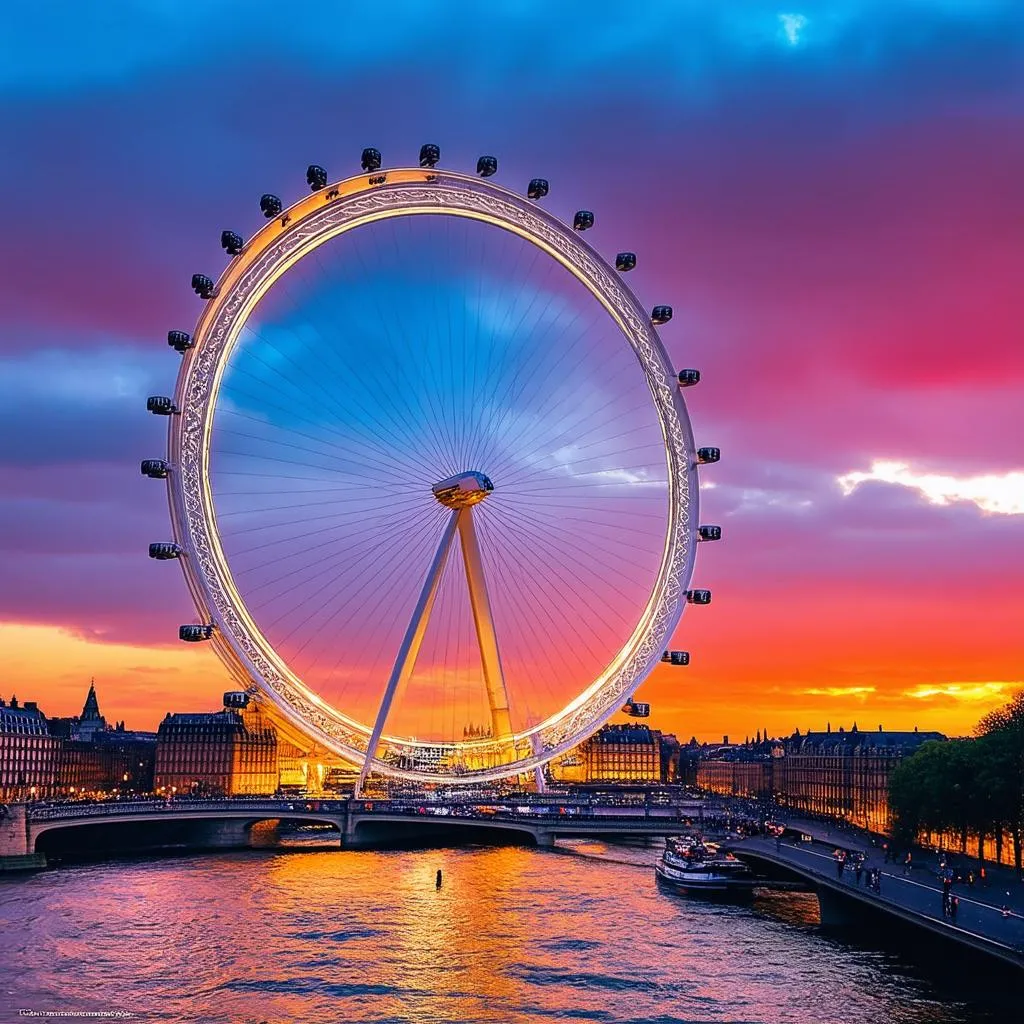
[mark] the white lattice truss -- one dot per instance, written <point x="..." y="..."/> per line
<point x="279" y="245"/>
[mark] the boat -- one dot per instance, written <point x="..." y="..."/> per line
<point x="691" y="866"/>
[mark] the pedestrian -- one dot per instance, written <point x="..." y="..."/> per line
<point x="906" y="863"/>
<point x="970" y="879"/>
<point x="437" y="881"/>
<point x="885" y="851"/>
<point x="954" y="906"/>
<point x="983" y="876"/>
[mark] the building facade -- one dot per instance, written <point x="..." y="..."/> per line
<point x="222" y="753"/>
<point x="29" y="755"/>
<point x="842" y="775"/>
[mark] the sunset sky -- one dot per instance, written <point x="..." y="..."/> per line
<point x="830" y="195"/>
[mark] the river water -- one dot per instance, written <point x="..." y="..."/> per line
<point x="513" y="935"/>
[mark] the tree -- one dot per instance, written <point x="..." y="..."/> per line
<point x="1001" y="739"/>
<point x="969" y="786"/>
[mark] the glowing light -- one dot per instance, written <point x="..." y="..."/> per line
<point x="1000" y="493"/>
<point x="839" y="691"/>
<point x="792" y="26"/>
<point x="961" y="691"/>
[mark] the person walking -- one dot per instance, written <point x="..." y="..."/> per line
<point x="954" y="906"/>
<point x="437" y="880"/>
<point x="907" y="863"/>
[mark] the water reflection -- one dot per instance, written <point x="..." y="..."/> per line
<point x="513" y="935"/>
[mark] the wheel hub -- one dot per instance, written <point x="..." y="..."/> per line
<point x="463" y="489"/>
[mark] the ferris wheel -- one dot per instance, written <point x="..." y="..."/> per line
<point x="432" y="481"/>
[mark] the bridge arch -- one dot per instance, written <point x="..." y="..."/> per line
<point x="97" y="834"/>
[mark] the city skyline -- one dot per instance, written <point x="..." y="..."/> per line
<point x="779" y="180"/>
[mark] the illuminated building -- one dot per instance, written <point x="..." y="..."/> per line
<point x="842" y="775"/>
<point x="622" y="753"/>
<point x="223" y="753"/>
<point x="28" y="753"/>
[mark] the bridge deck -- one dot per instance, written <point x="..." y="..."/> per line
<point x="915" y="896"/>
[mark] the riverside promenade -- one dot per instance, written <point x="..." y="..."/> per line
<point x="990" y="916"/>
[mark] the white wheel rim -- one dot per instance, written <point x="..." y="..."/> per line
<point x="238" y="640"/>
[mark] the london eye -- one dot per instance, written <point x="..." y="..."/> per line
<point x="432" y="481"/>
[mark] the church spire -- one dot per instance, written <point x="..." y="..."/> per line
<point x="91" y="710"/>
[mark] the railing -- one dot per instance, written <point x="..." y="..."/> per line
<point x="548" y="810"/>
<point x="181" y="805"/>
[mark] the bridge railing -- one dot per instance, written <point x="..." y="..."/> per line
<point x="547" y="810"/>
<point x="112" y="808"/>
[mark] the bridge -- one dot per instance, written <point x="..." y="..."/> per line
<point x="990" y="919"/>
<point x="29" y="831"/>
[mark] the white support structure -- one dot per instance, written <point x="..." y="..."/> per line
<point x="538" y="772"/>
<point x="494" y="679"/>
<point x="407" y="653"/>
<point x="459" y="493"/>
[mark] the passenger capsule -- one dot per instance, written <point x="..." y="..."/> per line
<point x="625" y="261"/>
<point x="202" y="286"/>
<point x="706" y="455"/>
<point x="698" y="596"/>
<point x="270" y="205"/>
<point x="180" y="341"/>
<point x="195" y="633"/>
<point x="709" y="533"/>
<point x="636" y="709"/>
<point x="164" y="550"/>
<point x="316" y="177"/>
<point x="661" y="315"/>
<point x="370" y="159"/>
<point x="687" y="378"/>
<point x="486" y="166"/>
<point x="537" y="189"/>
<point x="155" y="469"/>
<point x="583" y="220"/>
<point x="231" y="242"/>
<point x="161" y="405"/>
<point x="429" y="155"/>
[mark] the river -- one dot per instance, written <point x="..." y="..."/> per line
<point x="512" y="935"/>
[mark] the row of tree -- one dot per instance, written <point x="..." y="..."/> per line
<point x="967" y="787"/>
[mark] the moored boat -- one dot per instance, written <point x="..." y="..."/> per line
<point x="690" y="866"/>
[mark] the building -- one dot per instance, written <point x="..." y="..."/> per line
<point x="96" y="758"/>
<point x="622" y="753"/>
<point x="29" y="755"/>
<point x="625" y="753"/>
<point x="842" y="775"/>
<point x="222" y="753"/>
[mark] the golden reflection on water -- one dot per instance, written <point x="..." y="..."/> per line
<point x="513" y="935"/>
